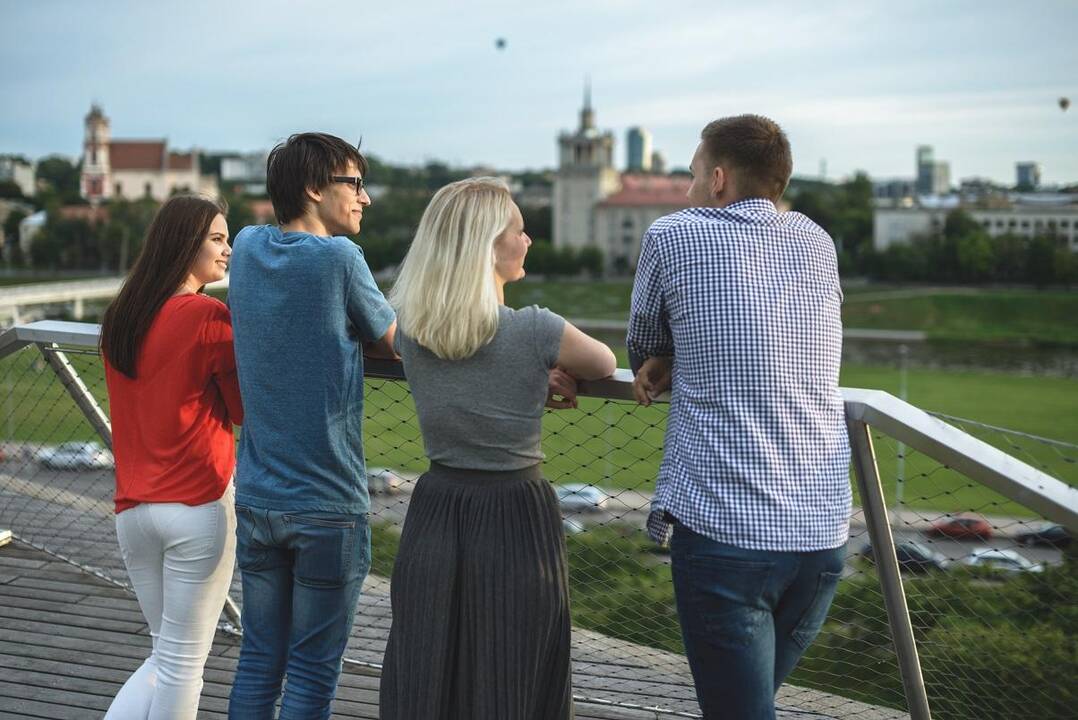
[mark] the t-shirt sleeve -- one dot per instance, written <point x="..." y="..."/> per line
<point x="549" y="328"/>
<point x="367" y="308"/>
<point x="221" y="359"/>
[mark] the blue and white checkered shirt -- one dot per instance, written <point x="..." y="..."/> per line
<point x="747" y="300"/>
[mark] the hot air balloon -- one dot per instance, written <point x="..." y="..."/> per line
<point x="1064" y="103"/>
<point x="500" y="43"/>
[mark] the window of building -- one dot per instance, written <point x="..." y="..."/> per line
<point x="1012" y="223"/>
<point x="986" y="223"/>
<point x="1025" y="223"/>
<point x="147" y="190"/>
<point x="999" y="223"/>
<point x="118" y="190"/>
<point x="1064" y="223"/>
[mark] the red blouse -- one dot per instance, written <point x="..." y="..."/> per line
<point x="172" y="425"/>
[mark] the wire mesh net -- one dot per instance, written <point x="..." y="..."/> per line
<point x="990" y="587"/>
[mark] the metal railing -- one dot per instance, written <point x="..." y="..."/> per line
<point x="899" y="635"/>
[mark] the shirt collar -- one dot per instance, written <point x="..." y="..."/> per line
<point x="753" y="205"/>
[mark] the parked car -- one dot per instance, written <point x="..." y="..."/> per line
<point x="967" y="527"/>
<point x="1051" y="535"/>
<point x="578" y="497"/>
<point x="383" y="481"/>
<point x="572" y="526"/>
<point x="1003" y="560"/>
<point x="76" y="456"/>
<point x="913" y="557"/>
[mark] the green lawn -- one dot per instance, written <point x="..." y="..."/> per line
<point x="990" y="316"/>
<point x="981" y="315"/>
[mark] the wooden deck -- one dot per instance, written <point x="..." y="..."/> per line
<point x="68" y="640"/>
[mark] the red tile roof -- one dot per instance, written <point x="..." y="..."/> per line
<point x="181" y="161"/>
<point x="137" y="154"/>
<point x="644" y="190"/>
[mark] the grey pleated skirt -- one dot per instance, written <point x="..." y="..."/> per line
<point x="480" y="597"/>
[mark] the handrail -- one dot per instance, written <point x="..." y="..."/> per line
<point x="944" y="443"/>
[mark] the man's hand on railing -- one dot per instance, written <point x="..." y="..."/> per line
<point x="561" y="390"/>
<point x="653" y="379"/>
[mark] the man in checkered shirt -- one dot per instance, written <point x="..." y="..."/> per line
<point x="735" y="310"/>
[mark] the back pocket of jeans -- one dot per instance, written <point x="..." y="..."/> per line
<point x="324" y="549"/>
<point x="816" y="613"/>
<point x="728" y="598"/>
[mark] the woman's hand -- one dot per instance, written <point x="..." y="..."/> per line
<point x="561" y="390"/>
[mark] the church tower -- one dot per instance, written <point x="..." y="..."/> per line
<point x="95" y="156"/>
<point x="585" y="176"/>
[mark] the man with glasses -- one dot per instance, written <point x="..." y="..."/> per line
<point x="305" y="308"/>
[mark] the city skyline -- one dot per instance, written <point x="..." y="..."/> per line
<point x="857" y="87"/>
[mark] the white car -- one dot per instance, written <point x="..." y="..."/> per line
<point x="1003" y="560"/>
<point x="76" y="456"/>
<point x="578" y="497"/>
<point x="383" y="480"/>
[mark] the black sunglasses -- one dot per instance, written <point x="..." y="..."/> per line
<point x="353" y="180"/>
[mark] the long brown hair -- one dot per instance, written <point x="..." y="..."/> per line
<point x="171" y="245"/>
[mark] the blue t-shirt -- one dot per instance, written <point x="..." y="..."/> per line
<point x="301" y="307"/>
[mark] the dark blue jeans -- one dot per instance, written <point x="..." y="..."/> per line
<point x="302" y="573"/>
<point x="746" y="618"/>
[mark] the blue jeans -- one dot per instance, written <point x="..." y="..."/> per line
<point x="302" y="573"/>
<point x="746" y="618"/>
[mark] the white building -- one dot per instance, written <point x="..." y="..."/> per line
<point x="245" y="171"/>
<point x="20" y="172"/>
<point x="132" y="169"/>
<point x="596" y="206"/>
<point x="1027" y="216"/>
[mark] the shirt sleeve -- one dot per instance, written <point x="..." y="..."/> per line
<point x="549" y="328"/>
<point x="367" y="308"/>
<point x="649" y="327"/>
<point x="221" y="360"/>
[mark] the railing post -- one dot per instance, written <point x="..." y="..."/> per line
<point x="883" y="550"/>
<point x="78" y="391"/>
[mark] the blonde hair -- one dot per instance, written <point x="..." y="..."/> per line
<point x="445" y="294"/>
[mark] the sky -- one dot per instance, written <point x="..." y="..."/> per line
<point x="856" y="85"/>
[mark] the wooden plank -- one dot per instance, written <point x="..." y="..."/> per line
<point x="130" y="614"/>
<point x="25" y="707"/>
<point x="61" y="697"/>
<point x="77" y="633"/>
<point x="12" y="611"/>
<point x="10" y="561"/>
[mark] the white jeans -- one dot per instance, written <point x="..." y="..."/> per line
<point x="180" y="560"/>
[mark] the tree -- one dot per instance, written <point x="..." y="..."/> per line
<point x="1040" y="261"/>
<point x="538" y="222"/>
<point x="590" y="259"/>
<point x="11" y="237"/>
<point x="61" y="177"/>
<point x="10" y="190"/>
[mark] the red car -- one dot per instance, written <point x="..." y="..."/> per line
<point x="962" y="528"/>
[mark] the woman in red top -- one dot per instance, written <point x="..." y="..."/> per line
<point x="173" y="397"/>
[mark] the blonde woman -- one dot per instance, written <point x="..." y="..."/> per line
<point x="480" y="589"/>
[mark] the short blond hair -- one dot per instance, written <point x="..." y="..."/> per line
<point x="445" y="294"/>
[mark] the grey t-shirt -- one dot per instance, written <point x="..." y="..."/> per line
<point x="486" y="412"/>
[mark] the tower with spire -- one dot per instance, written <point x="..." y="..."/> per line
<point x="95" y="155"/>
<point x="585" y="176"/>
